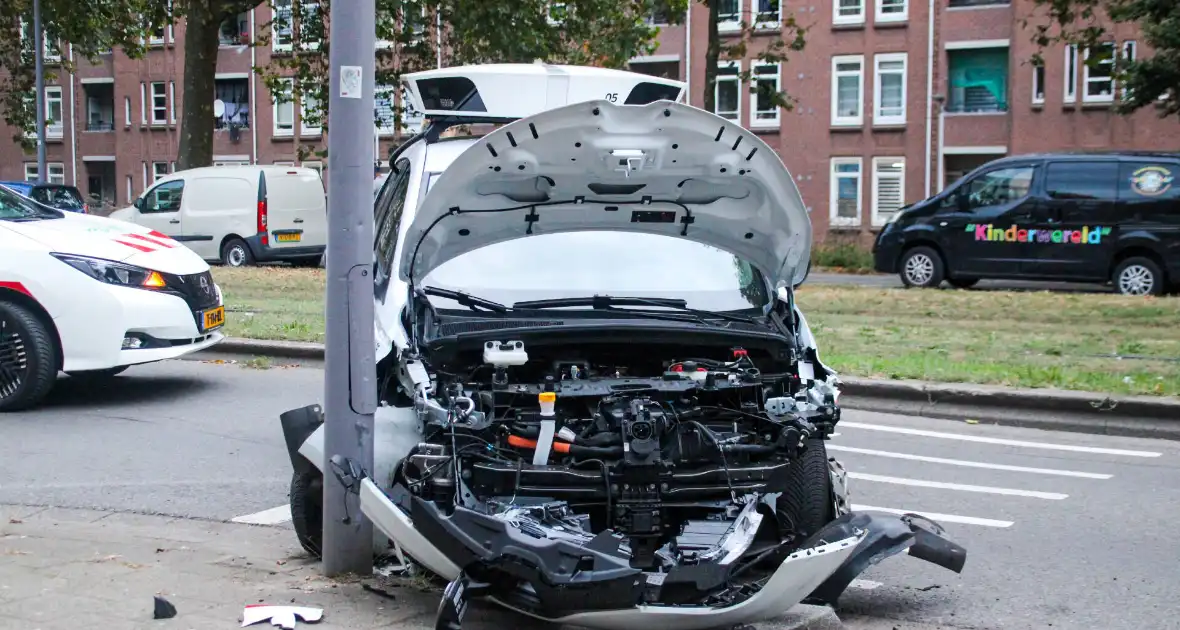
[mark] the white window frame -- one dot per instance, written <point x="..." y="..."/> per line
<point x="878" y="117"/>
<point x="156" y="174"/>
<point x="737" y="78"/>
<point x="878" y="177"/>
<point x="1087" y="79"/>
<point x="834" y="191"/>
<point x="1038" y="84"/>
<point x="146" y="183"/>
<point x="127" y="111"/>
<point x="54" y="129"/>
<point x="778" y="18"/>
<point x="31" y="174"/>
<point x="1070" y="94"/>
<point x="731" y="25"/>
<point x="309" y="102"/>
<point x="56" y="178"/>
<point x="890" y="18"/>
<point x="1127" y="53"/>
<point x="143" y="104"/>
<point x="172" y="102"/>
<point x="315" y="165"/>
<point x="858" y="119"/>
<point x="758" y="75"/>
<point x="130" y="189"/>
<point x="162" y="110"/>
<point x="848" y="20"/>
<point x="275" y="46"/>
<point x="285" y="163"/>
<point x="319" y="12"/>
<point x="287" y="92"/>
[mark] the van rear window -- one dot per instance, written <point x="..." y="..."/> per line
<point x="1148" y="181"/>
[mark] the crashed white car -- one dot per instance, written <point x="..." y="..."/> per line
<point x="602" y="405"/>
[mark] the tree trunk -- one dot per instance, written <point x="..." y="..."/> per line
<point x="712" y="56"/>
<point x="200" y="65"/>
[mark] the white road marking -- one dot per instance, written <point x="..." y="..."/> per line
<point x="867" y="585"/>
<point x="922" y="483"/>
<point x="990" y="440"/>
<point x="968" y="464"/>
<point x="939" y="518"/>
<point x="273" y="516"/>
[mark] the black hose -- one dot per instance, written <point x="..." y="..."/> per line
<point x="605" y="480"/>
<point x="595" y="451"/>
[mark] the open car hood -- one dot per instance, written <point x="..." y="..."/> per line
<point x="663" y="168"/>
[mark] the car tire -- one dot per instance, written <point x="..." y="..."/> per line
<point x="25" y="380"/>
<point x="236" y="254"/>
<point x="963" y="283"/>
<point x="307" y="511"/>
<point x="922" y="267"/>
<point x="99" y="374"/>
<point x="806" y="506"/>
<point x="1138" y="276"/>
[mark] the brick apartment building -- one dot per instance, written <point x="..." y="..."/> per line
<point x="893" y="100"/>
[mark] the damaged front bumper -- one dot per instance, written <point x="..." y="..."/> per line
<point x="592" y="584"/>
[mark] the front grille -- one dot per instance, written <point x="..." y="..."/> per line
<point x="197" y="290"/>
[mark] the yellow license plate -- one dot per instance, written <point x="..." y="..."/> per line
<point x="288" y="238"/>
<point x="214" y="318"/>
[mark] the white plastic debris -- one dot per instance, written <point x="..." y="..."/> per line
<point x="281" y="616"/>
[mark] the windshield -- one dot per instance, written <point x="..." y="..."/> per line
<point x="14" y="207"/>
<point x="64" y="197"/>
<point x="620" y="264"/>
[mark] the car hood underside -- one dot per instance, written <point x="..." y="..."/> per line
<point x="663" y="168"/>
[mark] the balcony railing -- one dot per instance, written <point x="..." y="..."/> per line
<point x="100" y="126"/>
<point x="955" y="4"/>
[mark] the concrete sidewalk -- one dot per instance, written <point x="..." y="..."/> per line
<point x="68" y="569"/>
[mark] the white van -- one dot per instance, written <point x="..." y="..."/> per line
<point x="239" y="215"/>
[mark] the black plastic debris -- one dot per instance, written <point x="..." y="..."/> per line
<point x="164" y="609"/>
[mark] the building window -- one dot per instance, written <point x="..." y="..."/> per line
<point x="100" y="106"/>
<point x="978" y="80"/>
<point x="159" y="171"/>
<point x="235" y="31"/>
<point x="127" y="110"/>
<point x="309" y="13"/>
<point x="143" y="103"/>
<point x="172" y="102"/>
<point x="848" y="11"/>
<point x="384" y="116"/>
<point x="848" y="86"/>
<point x="1129" y="48"/>
<point x="1098" y="74"/>
<point x="889" y="89"/>
<point x="159" y="104"/>
<point x="284" y="109"/>
<point x="846" y="191"/>
<point x="729" y="15"/>
<point x="1071" y="73"/>
<point x="892" y="10"/>
<point x="766" y="88"/>
<point x="130" y="190"/>
<point x="281" y="26"/>
<point x="54" y="118"/>
<point x="57" y="172"/>
<point x="30" y="172"/>
<point x="234" y="95"/>
<point x="310" y="115"/>
<point x="727" y="93"/>
<point x="1038" y="87"/>
<point x="769" y="13"/>
<point x="888" y="188"/>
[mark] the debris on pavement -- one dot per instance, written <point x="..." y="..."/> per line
<point x="282" y="616"/>
<point x="163" y="609"/>
<point x="378" y="591"/>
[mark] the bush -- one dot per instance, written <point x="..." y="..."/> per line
<point x="842" y="254"/>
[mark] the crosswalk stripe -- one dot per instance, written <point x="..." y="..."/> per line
<point x="991" y="440"/>
<point x="273" y="516"/>
<point x="935" y="516"/>
<point x="942" y="485"/>
<point x="967" y="464"/>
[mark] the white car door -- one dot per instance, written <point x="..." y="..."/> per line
<point x="159" y="209"/>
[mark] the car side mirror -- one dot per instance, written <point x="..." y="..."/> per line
<point x="138" y="203"/>
<point x="962" y="203"/>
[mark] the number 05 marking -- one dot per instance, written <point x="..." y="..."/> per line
<point x="612" y="97"/>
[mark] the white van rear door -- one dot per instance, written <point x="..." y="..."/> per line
<point x="296" y="208"/>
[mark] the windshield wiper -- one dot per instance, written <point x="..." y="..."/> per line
<point x="608" y="303"/>
<point x="470" y="301"/>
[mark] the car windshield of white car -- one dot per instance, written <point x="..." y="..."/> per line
<point x="618" y="264"/>
<point x="13" y="207"/>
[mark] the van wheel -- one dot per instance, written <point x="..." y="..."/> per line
<point x="963" y="283"/>
<point x="28" y="358"/>
<point x="307" y="496"/>
<point x="236" y="254"/>
<point x="921" y="267"/>
<point x="1138" y="276"/>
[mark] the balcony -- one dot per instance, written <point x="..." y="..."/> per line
<point x="978" y="81"/>
<point x="100" y="106"/>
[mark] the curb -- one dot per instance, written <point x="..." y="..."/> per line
<point x="1063" y="410"/>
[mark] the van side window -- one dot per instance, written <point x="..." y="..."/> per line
<point x="1148" y="181"/>
<point x="994" y="188"/>
<point x="1096" y="181"/>
<point x="387" y="216"/>
<point x="165" y="197"/>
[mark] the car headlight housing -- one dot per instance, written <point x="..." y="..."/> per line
<point x="115" y="273"/>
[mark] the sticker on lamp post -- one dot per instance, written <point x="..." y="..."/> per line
<point x="350" y="81"/>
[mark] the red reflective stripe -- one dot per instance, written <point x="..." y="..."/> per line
<point x="150" y="240"/>
<point x="134" y="246"/>
<point x="15" y="286"/>
<point x="159" y="234"/>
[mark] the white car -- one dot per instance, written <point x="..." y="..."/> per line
<point x="92" y="296"/>
<point x="602" y="407"/>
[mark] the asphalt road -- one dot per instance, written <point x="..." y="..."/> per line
<point x="1063" y="530"/>
<point x="892" y="281"/>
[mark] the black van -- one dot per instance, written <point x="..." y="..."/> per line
<point x="1084" y="217"/>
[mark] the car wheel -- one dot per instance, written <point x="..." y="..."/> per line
<point x="236" y="254"/>
<point x="1138" y="276"/>
<point x="307" y="511"/>
<point x="806" y="505"/>
<point x="28" y="358"/>
<point x="921" y="267"/>
<point x="963" y="283"/>
<point x="99" y="374"/>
